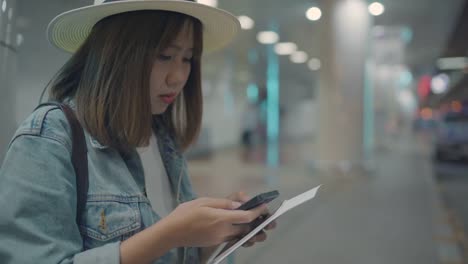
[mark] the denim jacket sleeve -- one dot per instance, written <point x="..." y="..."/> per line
<point x="38" y="197"/>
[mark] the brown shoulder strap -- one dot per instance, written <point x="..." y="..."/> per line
<point x="79" y="157"/>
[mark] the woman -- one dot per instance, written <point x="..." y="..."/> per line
<point x="133" y="81"/>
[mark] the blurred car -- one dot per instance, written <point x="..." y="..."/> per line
<point x="451" y="141"/>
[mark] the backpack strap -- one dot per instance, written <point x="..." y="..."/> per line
<point x="79" y="156"/>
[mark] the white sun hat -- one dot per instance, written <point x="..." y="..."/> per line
<point x="69" y="30"/>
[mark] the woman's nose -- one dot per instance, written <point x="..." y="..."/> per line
<point x="177" y="75"/>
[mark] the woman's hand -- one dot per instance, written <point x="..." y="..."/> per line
<point x="242" y="197"/>
<point x="207" y="222"/>
<point x="202" y="222"/>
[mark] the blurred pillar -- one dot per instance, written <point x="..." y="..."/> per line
<point x="273" y="121"/>
<point x="8" y="52"/>
<point x="345" y="28"/>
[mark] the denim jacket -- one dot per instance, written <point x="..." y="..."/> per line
<point x="38" y="196"/>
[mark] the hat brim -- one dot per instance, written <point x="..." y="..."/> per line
<point x="70" y="29"/>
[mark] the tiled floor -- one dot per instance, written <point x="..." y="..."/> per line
<point x="385" y="217"/>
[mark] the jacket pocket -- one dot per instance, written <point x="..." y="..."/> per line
<point x="109" y="218"/>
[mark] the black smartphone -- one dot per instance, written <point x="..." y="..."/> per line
<point x="259" y="200"/>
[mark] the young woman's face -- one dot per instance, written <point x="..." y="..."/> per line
<point x="171" y="70"/>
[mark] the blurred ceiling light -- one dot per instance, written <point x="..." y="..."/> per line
<point x="4" y="6"/>
<point x="314" y="13"/>
<point x="314" y="64"/>
<point x="455" y="63"/>
<point x="376" y="9"/>
<point x="299" y="57"/>
<point x="406" y="98"/>
<point x="267" y="37"/>
<point x="440" y="83"/>
<point x="246" y="22"/>
<point x="213" y="3"/>
<point x="285" y="48"/>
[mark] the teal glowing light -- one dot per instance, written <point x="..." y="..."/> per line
<point x="272" y="105"/>
<point x="406" y="78"/>
<point x="252" y="93"/>
<point x="273" y="95"/>
<point x="407" y="35"/>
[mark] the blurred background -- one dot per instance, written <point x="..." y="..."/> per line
<point x="369" y="99"/>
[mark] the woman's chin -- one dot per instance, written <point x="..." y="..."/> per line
<point x="159" y="110"/>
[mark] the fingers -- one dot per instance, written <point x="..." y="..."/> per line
<point x="260" y="237"/>
<point x="244" y="217"/>
<point x="271" y="225"/>
<point x="248" y="244"/>
<point x="237" y="232"/>
<point x="263" y="210"/>
<point x="242" y="197"/>
<point x="217" y="203"/>
<point x="240" y="230"/>
<point x="239" y="197"/>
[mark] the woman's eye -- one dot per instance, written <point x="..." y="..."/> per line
<point x="188" y="60"/>
<point x="164" y="57"/>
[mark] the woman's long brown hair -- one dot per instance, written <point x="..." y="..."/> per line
<point x="108" y="77"/>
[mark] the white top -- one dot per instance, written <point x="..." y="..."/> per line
<point x="158" y="187"/>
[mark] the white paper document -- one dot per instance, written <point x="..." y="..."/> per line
<point x="285" y="206"/>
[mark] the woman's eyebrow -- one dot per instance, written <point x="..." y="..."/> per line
<point x="179" y="48"/>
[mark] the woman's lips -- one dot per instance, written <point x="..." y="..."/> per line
<point x="168" y="98"/>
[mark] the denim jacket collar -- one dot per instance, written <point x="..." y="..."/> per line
<point x="93" y="142"/>
<point x="173" y="160"/>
